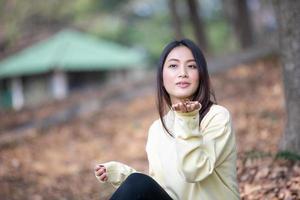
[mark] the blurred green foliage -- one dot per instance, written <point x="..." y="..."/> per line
<point x="287" y="155"/>
<point x="220" y="37"/>
<point x="109" y="19"/>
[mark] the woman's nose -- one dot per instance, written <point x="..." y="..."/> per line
<point x="182" y="73"/>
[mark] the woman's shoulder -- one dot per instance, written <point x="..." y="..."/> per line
<point x="152" y="133"/>
<point x="155" y="125"/>
<point x="217" y="112"/>
<point x="215" y="108"/>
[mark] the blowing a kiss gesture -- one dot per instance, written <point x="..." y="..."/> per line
<point x="186" y="106"/>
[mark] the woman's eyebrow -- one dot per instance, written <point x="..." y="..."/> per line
<point x="173" y="59"/>
<point x="191" y="60"/>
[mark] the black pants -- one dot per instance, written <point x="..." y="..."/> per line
<point x="139" y="186"/>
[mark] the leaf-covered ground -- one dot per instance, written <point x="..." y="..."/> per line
<point x="57" y="162"/>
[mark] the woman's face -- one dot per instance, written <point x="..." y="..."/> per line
<point x="180" y="74"/>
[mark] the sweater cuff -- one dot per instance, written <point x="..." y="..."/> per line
<point x="187" y="124"/>
<point x="187" y="114"/>
<point x="116" y="172"/>
<point x="112" y="170"/>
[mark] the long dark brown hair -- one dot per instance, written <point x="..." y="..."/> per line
<point x="204" y="93"/>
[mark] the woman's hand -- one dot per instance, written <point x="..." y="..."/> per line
<point x="100" y="172"/>
<point x="186" y="106"/>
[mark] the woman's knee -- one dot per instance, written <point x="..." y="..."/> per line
<point x="139" y="181"/>
<point x="139" y="186"/>
<point x="137" y="177"/>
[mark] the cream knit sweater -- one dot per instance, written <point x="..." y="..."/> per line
<point x="197" y="163"/>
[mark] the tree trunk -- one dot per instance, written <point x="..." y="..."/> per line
<point x="238" y="16"/>
<point x="288" y="17"/>
<point x="197" y="24"/>
<point x="175" y="19"/>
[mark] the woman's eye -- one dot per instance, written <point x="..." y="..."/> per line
<point x="172" y="66"/>
<point x="192" y="66"/>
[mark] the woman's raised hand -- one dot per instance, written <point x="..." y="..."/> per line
<point x="100" y="172"/>
<point x="186" y="106"/>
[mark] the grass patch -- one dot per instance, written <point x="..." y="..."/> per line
<point x="253" y="154"/>
<point x="287" y="155"/>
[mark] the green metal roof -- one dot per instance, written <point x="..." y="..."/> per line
<point x="70" y="51"/>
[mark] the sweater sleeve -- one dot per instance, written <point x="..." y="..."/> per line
<point x="116" y="172"/>
<point x="199" y="151"/>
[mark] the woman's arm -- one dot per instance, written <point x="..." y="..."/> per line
<point x="152" y="155"/>
<point x="200" y="151"/>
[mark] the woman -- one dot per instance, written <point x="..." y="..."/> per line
<point x="191" y="149"/>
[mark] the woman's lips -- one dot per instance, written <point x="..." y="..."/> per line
<point x="183" y="84"/>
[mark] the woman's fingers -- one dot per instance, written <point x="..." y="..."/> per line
<point x="103" y="177"/>
<point x="175" y="107"/>
<point x="187" y="106"/>
<point x="191" y="107"/>
<point x="194" y="106"/>
<point x="100" y="171"/>
<point x="182" y="107"/>
<point x="198" y="105"/>
<point x="97" y="167"/>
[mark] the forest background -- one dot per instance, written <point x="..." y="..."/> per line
<point x="239" y="38"/>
